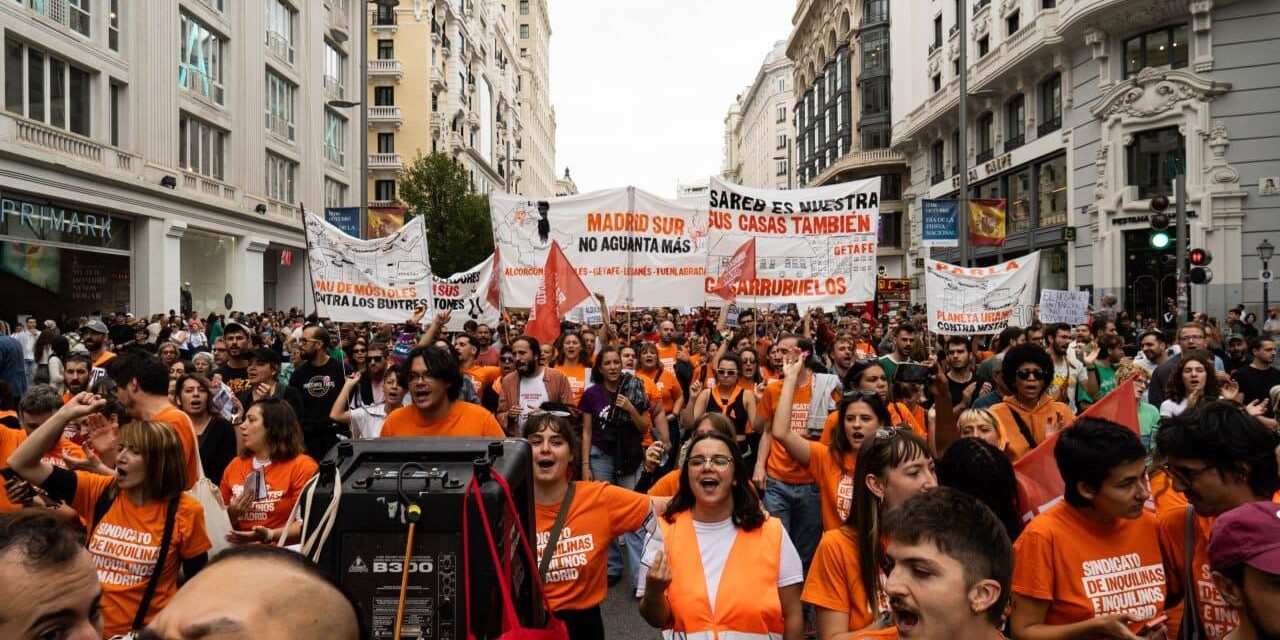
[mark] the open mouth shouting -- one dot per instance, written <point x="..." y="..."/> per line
<point x="905" y="618"/>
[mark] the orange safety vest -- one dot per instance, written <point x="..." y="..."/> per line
<point x="747" y="603"/>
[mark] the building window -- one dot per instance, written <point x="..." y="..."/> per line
<point x="46" y="89"/>
<point x="937" y="32"/>
<point x="875" y="11"/>
<point x="200" y="147"/>
<point x="524" y="7"/>
<point x="936" y="160"/>
<point x="984" y="46"/>
<point x="937" y="82"/>
<point x="117" y="103"/>
<point x="384" y="190"/>
<point x="1012" y="23"/>
<point x="1150" y="157"/>
<point x="113" y="25"/>
<point x="781" y="115"/>
<point x="780" y="166"/>
<point x="1164" y="48"/>
<point x="280" y="174"/>
<point x="200" y="59"/>
<point x="955" y="152"/>
<point x="890" y="231"/>
<point x="335" y="135"/>
<point x="1052" y="190"/>
<point x="875" y="51"/>
<point x="1019" y="205"/>
<point x="782" y="141"/>
<point x="782" y="84"/>
<point x="279" y="106"/>
<point x="986" y="127"/>
<point x="1048" y="4"/>
<point x="891" y="186"/>
<point x="384" y="96"/>
<point x="280" y="18"/>
<point x="875" y="96"/>
<point x="335" y="71"/>
<point x="335" y="193"/>
<point x="1015" y="123"/>
<point x="385" y="16"/>
<point x="876" y="136"/>
<point x="1050" y="104"/>
<point x="524" y="31"/>
<point x="386" y="143"/>
<point x="386" y="49"/>
<point x="77" y="13"/>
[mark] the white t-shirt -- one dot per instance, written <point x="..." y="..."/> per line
<point x="1169" y="408"/>
<point x="533" y="392"/>
<point x="366" y="421"/>
<point x="715" y="540"/>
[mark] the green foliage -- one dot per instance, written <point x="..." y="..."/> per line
<point x="438" y="188"/>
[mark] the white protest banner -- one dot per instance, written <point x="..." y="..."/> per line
<point x="1070" y="307"/>
<point x="815" y="247"/>
<point x="463" y="294"/>
<point x="981" y="300"/>
<point x="636" y="249"/>
<point x="381" y="280"/>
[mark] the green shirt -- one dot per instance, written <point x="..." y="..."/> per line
<point x="1106" y="382"/>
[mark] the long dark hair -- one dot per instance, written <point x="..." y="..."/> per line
<point x="584" y="357"/>
<point x="887" y="449"/>
<point x="840" y="443"/>
<point x="747" y="513"/>
<point x="1176" y="389"/>
<point x="979" y="469"/>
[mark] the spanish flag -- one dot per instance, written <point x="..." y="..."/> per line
<point x="986" y="222"/>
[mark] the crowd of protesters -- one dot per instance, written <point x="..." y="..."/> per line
<point x="769" y="472"/>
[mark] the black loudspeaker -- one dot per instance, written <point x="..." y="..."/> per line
<point x="365" y="550"/>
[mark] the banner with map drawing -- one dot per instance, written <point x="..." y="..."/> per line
<point x="635" y="248"/>
<point x="379" y="280"/>
<point x="981" y="300"/>
<point x="463" y="295"/>
<point x="815" y="247"/>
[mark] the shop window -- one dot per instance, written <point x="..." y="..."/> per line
<point x="46" y="89"/>
<point x="1164" y="48"/>
<point x="1052" y="191"/>
<point x="200" y="59"/>
<point x="1019" y="206"/>
<point x="1150" y="158"/>
<point x="201" y="147"/>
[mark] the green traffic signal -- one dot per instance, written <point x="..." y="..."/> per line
<point x="1159" y="240"/>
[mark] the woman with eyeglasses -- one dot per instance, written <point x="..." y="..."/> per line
<point x="860" y="414"/>
<point x="1148" y="414"/>
<point x="737" y="404"/>
<point x="594" y="514"/>
<point x="1029" y="414"/>
<point x="846" y="576"/>
<point x="669" y="483"/>
<point x="718" y="566"/>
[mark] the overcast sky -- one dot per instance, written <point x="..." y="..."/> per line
<point x="641" y="88"/>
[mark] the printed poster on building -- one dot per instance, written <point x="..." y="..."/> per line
<point x="815" y="247"/>
<point x="981" y="300"/>
<point x="940" y="223"/>
<point x="378" y="280"/>
<point x="635" y="248"/>
<point x="463" y="295"/>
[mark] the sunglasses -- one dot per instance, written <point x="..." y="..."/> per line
<point x="357" y="351"/>
<point x="1030" y="374"/>
<point x="548" y="412"/>
<point x="376" y="358"/>
<point x="858" y="394"/>
<point x="726" y="372"/>
<point x="889" y="433"/>
<point x="506" y="359"/>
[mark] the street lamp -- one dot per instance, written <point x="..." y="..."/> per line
<point x="1265" y="251"/>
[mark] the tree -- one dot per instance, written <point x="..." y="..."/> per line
<point x="439" y="189"/>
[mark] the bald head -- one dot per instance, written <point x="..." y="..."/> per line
<point x="256" y="592"/>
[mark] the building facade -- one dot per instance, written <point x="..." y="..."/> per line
<point x="758" y="133"/>
<point x="151" y="150"/>
<point x="566" y="186"/>
<point x="844" y="106"/>
<point x="1081" y="112"/>
<point x="538" y="151"/>
<point x="443" y="78"/>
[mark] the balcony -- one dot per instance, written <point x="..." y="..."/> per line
<point x="437" y="80"/>
<point x="936" y="178"/>
<point x="859" y="162"/>
<point x="63" y="14"/>
<point x="934" y="47"/>
<point x="385" y="162"/>
<point x="386" y="115"/>
<point x="980" y="5"/>
<point x="280" y="46"/>
<point x="951" y="33"/>
<point x="1014" y="142"/>
<point x="386" y="69"/>
<point x="206" y="186"/>
<point x="437" y="122"/>
<point x="381" y="204"/>
<point x="333" y="89"/>
<point x="337" y="16"/>
<point x="280" y="126"/>
<point x="985" y="155"/>
<point x="1048" y="126"/>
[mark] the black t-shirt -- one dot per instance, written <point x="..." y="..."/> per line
<point x="319" y="387"/>
<point x="236" y="378"/>
<point x="957" y="389"/>
<point x="217" y="448"/>
<point x="1256" y="384"/>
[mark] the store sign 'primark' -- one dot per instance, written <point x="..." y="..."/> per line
<point x="42" y="218"/>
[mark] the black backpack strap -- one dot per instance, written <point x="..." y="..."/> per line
<point x="1023" y="428"/>
<point x="170" y="517"/>
<point x="554" y="535"/>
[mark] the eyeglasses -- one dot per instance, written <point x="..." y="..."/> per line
<point x="1185" y="475"/>
<point x="506" y="359"/>
<point x="548" y="412"/>
<point x="357" y="351"/>
<point x="858" y="394"/>
<point x="421" y="377"/>
<point x="889" y="433"/>
<point x="716" y="462"/>
<point x="376" y="358"/>
<point x="726" y="372"/>
<point x="1029" y="374"/>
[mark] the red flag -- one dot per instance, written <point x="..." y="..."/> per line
<point x="560" y="291"/>
<point x="1039" y="481"/>
<point x="742" y="268"/>
<point x="494" y="294"/>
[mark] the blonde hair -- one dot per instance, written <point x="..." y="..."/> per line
<point x="1128" y="370"/>
<point x="979" y="413"/>
<point x="162" y="454"/>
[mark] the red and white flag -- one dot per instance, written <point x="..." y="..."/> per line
<point x="741" y="268"/>
<point x="561" y="290"/>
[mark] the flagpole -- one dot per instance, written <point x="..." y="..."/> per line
<point x="311" y="282"/>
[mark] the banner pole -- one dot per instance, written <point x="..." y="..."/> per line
<point x="311" y="281"/>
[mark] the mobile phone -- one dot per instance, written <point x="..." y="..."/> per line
<point x="1153" y="624"/>
<point x="95" y="377"/>
<point x="912" y="372"/>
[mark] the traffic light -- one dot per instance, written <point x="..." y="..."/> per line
<point x="1200" y="273"/>
<point x="1159" y="223"/>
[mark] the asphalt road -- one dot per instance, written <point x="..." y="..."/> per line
<point x="621" y="618"/>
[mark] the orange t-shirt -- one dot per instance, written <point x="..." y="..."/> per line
<point x="9" y="441"/>
<point x="669" y="390"/>
<point x="54" y="455"/>
<point x="1086" y="569"/>
<point x="1163" y="495"/>
<point x="889" y="633"/>
<point x="780" y="466"/>
<point x="654" y="395"/>
<point x="667" y="485"/>
<point x="578" y="378"/>
<point x="482" y="377"/>
<point x="667" y="355"/>
<point x="835" y="580"/>
<point x="463" y="420"/>
<point x="600" y="512"/>
<point x="284" y="480"/>
<point x="126" y="544"/>
<point x="900" y="414"/>
<point x="835" y="483"/>
<point x="104" y="358"/>
<point x="181" y="423"/>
